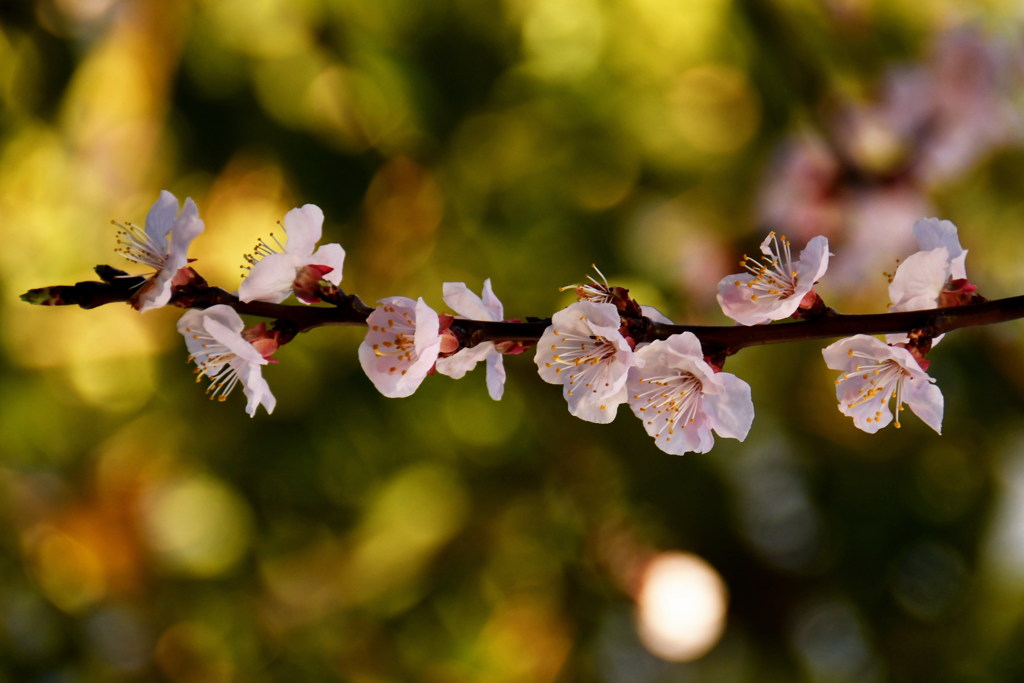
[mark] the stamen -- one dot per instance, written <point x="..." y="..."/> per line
<point x="598" y="292"/>
<point x="395" y="338"/>
<point x="676" y="400"/>
<point x="585" y="359"/>
<point x="138" y="246"/>
<point x="213" y="361"/>
<point x="774" y="275"/>
<point x="881" y="380"/>
<point x="263" y="249"/>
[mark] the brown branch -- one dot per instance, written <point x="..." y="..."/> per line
<point x="348" y="309"/>
<point x="732" y="338"/>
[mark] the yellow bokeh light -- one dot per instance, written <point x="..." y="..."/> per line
<point x="69" y="573"/>
<point x="564" y="38"/>
<point x="714" y="108"/>
<point x="413" y="515"/>
<point x="197" y="525"/>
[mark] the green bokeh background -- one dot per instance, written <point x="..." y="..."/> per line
<point x="148" y="534"/>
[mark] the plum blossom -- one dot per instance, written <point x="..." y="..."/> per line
<point x="279" y="269"/>
<point x="921" y="278"/>
<point x="484" y="307"/>
<point x="229" y="355"/>
<point x="877" y="161"/>
<point x="162" y="245"/>
<point x="873" y="373"/>
<point x="584" y="351"/>
<point x="681" y="399"/>
<point x="775" y="287"/>
<point x="934" y="276"/>
<point x="402" y="344"/>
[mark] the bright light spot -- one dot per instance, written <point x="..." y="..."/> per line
<point x="68" y="572"/>
<point x="419" y="510"/>
<point x="564" y="38"/>
<point x="1004" y="547"/>
<point x="198" y="525"/>
<point x="714" y="108"/>
<point x="680" y="607"/>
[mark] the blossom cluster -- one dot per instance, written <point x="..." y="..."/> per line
<point x="604" y="350"/>
<point x="876" y="161"/>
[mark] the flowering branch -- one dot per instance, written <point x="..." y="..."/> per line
<point x="348" y="309"/>
<point x="604" y="350"/>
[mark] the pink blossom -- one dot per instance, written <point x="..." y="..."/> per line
<point x="278" y="270"/>
<point x="484" y="307"/>
<point x="162" y="245"/>
<point x="681" y="399"/>
<point x="934" y="276"/>
<point x="402" y="343"/>
<point x="584" y="351"/>
<point x="775" y="287"/>
<point x="874" y="373"/>
<point x="217" y="342"/>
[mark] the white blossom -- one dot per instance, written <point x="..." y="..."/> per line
<point x="484" y="307"/>
<point x="161" y="245"/>
<point x="774" y="287"/>
<point x="921" y="279"/>
<point x="401" y="345"/>
<point x="277" y="267"/>
<point x="681" y="399"/>
<point x="214" y="338"/>
<point x="874" y="373"/>
<point x="584" y="351"/>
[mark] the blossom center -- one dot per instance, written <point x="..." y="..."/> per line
<point x="674" y="400"/>
<point x="138" y="246"/>
<point x="879" y="381"/>
<point x="263" y="249"/>
<point x="585" y="358"/>
<point x="774" y="275"/>
<point x="398" y="332"/>
<point x="214" y="362"/>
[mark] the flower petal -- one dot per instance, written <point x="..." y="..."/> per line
<point x="331" y="255"/>
<point x="734" y="296"/>
<point x="932" y="233"/>
<point x="271" y="278"/>
<point x="304" y="227"/>
<point x="256" y="389"/>
<point x="813" y="262"/>
<point x="187" y="226"/>
<point x="233" y="341"/>
<point x="919" y="280"/>
<point x="495" y="376"/>
<point x="491" y="301"/>
<point x="464" y="302"/>
<point x="602" y="411"/>
<point x="730" y="409"/>
<point x="869" y="416"/>
<point x="458" y="364"/>
<point x="427" y="327"/>
<point x="925" y="399"/>
<point x="160" y="219"/>
<point x="655" y="315"/>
